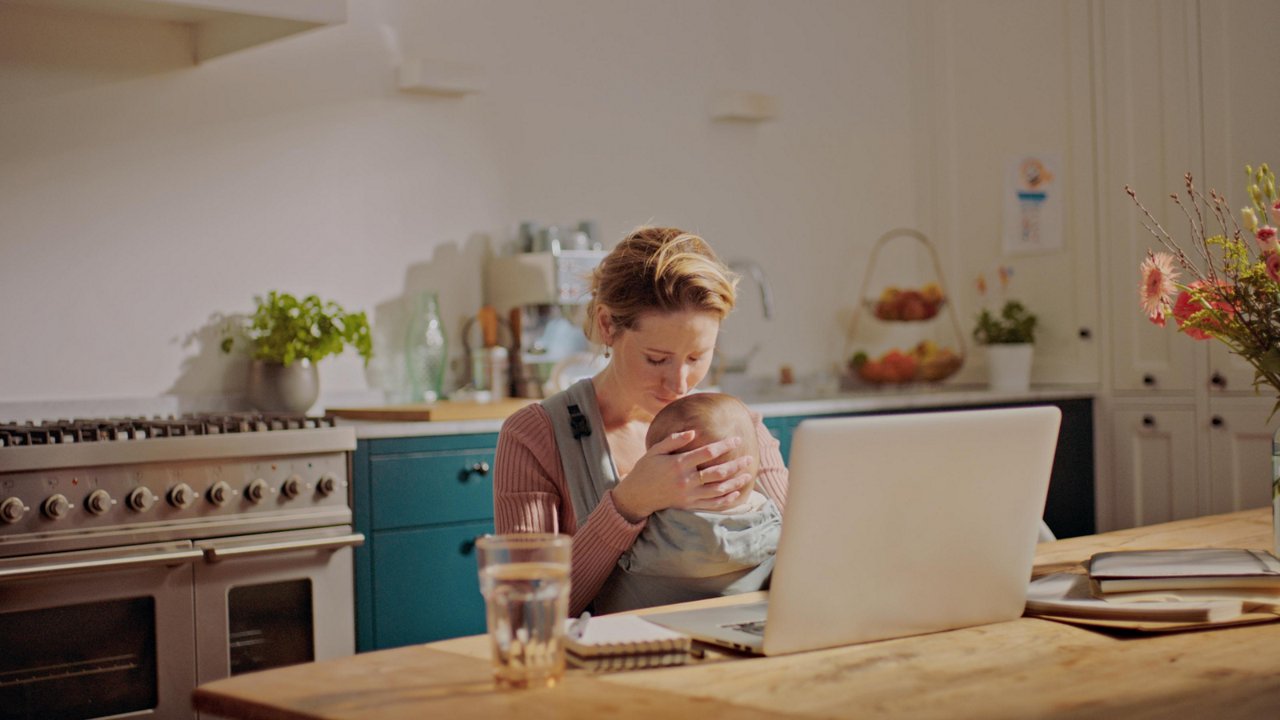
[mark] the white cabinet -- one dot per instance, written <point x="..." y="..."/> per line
<point x="1178" y="462"/>
<point x="1155" y="450"/>
<point x="1188" y="435"/>
<point x="1149" y="136"/>
<point x="993" y="95"/>
<point x="1239" y="455"/>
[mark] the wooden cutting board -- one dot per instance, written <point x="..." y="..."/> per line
<point x="444" y="410"/>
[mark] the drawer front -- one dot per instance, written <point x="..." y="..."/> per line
<point x="425" y="585"/>
<point x="433" y="488"/>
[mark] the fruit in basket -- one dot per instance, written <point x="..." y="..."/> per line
<point x="936" y="363"/>
<point x="926" y="361"/>
<point x="907" y="304"/>
<point x="895" y="366"/>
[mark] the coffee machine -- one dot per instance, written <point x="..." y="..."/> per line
<point x="543" y="294"/>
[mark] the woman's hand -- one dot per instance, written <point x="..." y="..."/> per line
<point x="666" y="478"/>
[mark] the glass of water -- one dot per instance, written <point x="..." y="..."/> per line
<point x="524" y="578"/>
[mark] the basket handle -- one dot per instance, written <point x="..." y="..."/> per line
<point x="937" y="270"/>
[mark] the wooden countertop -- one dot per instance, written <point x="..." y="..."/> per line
<point x="1020" y="669"/>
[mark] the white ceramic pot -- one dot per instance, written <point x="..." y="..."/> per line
<point x="275" y="388"/>
<point x="1009" y="366"/>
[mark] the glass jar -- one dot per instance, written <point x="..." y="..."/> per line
<point x="426" y="350"/>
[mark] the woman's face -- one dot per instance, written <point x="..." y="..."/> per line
<point x="665" y="355"/>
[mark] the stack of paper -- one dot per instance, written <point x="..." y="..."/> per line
<point x="1163" y="589"/>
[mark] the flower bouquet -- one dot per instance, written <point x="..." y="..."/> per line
<point x="1232" y="292"/>
<point x="1233" y="289"/>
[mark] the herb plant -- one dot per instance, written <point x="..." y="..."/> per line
<point x="1015" y="324"/>
<point x="283" y="329"/>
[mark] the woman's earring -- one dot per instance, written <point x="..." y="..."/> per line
<point x="608" y="351"/>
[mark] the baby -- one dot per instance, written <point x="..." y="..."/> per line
<point x="713" y="416"/>
<point x="687" y="555"/>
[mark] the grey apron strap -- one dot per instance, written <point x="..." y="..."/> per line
<point x="579" y="431"/>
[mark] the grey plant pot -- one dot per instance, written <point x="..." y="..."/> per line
<point x="276" y="388"/>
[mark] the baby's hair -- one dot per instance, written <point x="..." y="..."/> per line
<point x="702" y="410"/>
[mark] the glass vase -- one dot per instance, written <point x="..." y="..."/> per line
<point x="1275" y="492"/>
<point x="426" y="350"/>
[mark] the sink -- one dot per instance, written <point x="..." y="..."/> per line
<point x="755" y="390"/>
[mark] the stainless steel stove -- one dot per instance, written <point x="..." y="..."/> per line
<point x="140" y="556"/>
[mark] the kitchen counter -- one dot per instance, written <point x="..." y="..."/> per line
<point x="782" y="401"/>
<point x="1028" y="667"/>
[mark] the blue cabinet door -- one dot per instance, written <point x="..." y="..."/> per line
<point x="782" y="427"/>
<point x="420" y="501"/>
<point x="426" y="587"/>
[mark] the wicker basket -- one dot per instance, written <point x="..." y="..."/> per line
<point x="927" y="361"/>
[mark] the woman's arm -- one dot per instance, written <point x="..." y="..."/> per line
<point x="773" y="478"/>
<point x="530" y="495"/>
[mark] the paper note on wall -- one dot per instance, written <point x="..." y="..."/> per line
<point x="1033" y="205"/>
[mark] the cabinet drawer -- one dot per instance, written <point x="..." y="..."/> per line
<point x="414" y="490"/>
<point x="427" y="588"/>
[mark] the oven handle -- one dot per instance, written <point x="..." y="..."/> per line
<point x="179" y="557"/>
<point x="214" y="554"/>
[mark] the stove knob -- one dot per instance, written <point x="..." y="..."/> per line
<point x="140" y="499"/>
<point x="292" y="487"/>
<point x="220" y="493"/>
<point x="327" y="485"/>
<point x="257" y="490"/>
<point x="182" y="496"/>
<point x="56" y="507"/>
<point x="12" y="510"/>
<point x="99" y="501"/>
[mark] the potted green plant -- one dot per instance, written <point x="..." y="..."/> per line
<point x="286" y="338"/>
<point x="1009" y="339"/>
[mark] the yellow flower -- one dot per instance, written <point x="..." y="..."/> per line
<point x="1249" y="219"/>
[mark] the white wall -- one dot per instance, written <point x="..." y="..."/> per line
<point x="140" y="197"/>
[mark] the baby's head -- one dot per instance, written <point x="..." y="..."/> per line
<point x="713" y="416"/>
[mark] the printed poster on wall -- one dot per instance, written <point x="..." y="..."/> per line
<point x="1033" y="205"/>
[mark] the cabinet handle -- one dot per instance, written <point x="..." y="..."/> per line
<point x="1148" y="421"/>
<point x="467" y="547"/>
<point x="478" y="468"/>
<point x="1149" y="380"/>
<point x="1218" y="380"/>
<point x="1085" y="333"/>
<point x="1217" y="421"/>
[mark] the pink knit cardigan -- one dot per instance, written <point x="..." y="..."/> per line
<point x="530" y="495"/>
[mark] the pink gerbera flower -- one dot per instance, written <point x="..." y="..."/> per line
<point x="1158" y="286"/>
<point x="1267" y="241"/>
<point x="1272" y="260"/>
<point x="1211" y="297"/>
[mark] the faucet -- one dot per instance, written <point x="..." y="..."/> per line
<point x="738" y="365"/>
<point x="750" y="267"/>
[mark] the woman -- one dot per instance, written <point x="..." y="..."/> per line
<point x="577" y="464"/>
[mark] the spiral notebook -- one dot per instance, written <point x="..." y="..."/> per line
<point x="623" y="642"/>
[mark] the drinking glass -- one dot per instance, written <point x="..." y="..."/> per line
<point x="524" y="578"/>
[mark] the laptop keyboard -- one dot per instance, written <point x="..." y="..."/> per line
<point x="755" y="627"/>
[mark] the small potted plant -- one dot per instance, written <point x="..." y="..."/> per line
<point x="286" y="338"/>
<point x="1009" y="338"/>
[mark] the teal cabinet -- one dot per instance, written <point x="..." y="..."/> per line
<point x="420" y="502"/>
<point x="781" y="428"/>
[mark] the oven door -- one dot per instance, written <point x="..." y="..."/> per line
<point x="98" y="633"/>
<point x="274" y="599"/>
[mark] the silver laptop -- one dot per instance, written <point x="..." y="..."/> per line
<point x="897" y="525"/>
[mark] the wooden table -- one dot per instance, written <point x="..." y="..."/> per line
<point x="1027" y="668"/>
